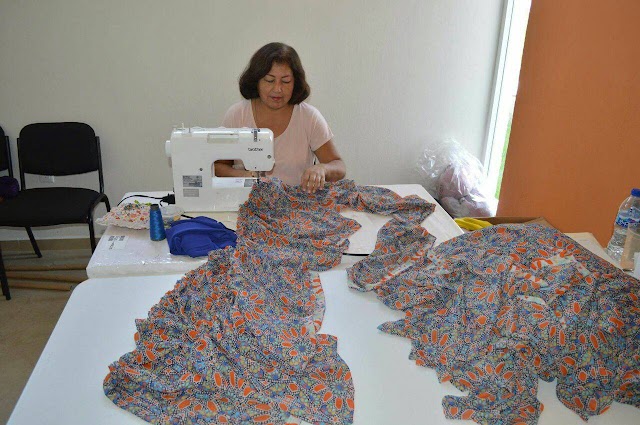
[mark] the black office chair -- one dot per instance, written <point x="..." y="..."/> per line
<point x="5" y="154"/>
<point x="5" y="165"/>
<point x="55" y="149"/>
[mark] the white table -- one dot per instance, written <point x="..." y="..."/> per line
<point x="588" y="241"/>
<point x="129" y="252"/>
<point x="65" y="387"/>
<point x="66" y="384"/>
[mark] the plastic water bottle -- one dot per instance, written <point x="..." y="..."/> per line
<point x="628" y="213"/>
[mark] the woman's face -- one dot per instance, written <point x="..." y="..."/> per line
<point x="275" y="88"/>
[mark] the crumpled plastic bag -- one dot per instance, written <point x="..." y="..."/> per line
<point x="455" y="178"/>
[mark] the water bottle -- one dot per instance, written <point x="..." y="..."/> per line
<point x="628" y="213"/>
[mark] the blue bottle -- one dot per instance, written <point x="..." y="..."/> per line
<point x="156" y="225"/>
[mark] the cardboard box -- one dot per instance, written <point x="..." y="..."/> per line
<point x="516" y="220"/>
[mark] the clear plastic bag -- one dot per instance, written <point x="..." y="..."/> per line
<point x="454" y="177"/>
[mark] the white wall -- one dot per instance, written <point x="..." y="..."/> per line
<point x="388" y="75"/>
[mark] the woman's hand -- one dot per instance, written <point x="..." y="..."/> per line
<point x="313" y="178"/>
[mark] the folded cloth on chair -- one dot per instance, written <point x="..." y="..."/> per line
<point x="197" y="236"/>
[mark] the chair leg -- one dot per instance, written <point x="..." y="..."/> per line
<point x="34" y="244"/>
<point x="92" y="234"/>
<point x="3" y="279"/>
<point x="106" y="202"/>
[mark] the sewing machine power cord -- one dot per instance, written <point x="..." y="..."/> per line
<point x="169" y="199"/>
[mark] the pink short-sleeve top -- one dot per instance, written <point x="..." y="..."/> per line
<point x="294" y="148"/>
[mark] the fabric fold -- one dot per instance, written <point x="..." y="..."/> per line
<point x="494" y="310"/>
<point x="236" y="341"/>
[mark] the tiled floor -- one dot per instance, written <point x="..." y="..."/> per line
<point x="27" y="320"/>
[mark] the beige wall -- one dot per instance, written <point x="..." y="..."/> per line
<point x="574" y="152"/>
<point x="389" y="76"/>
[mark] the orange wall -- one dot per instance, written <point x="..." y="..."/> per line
<point x="574" y="150"/>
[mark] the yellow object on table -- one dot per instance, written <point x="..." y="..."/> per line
<point x="470" y="223"/>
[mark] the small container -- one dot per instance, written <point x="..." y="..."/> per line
<point x="156" y="225"/>
<point x="170" y="213"/>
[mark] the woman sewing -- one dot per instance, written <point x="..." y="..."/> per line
<point x="274" y="89"/>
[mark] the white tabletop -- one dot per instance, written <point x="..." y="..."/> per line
<point x="588" y="241"/>
<point x="129" y="252"/>
<point x="97" y="327"/>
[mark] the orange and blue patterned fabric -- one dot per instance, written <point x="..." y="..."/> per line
<point x="236" y="341"/>
<point x="494" y="310"/>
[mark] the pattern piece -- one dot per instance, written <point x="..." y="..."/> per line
<point x="236" y="340"/>
<point x="493" y="310"/>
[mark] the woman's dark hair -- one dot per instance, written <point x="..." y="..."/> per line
<point x="260" y="65"/>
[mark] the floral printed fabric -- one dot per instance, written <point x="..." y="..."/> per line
<point x="493" y="310"/>
<point x="236" y="340"/>
<point x="133" y="216"/>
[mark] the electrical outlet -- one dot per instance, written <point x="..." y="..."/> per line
<point x="47" y="179"/>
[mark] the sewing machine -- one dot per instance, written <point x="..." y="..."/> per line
<point x="193" y="151"/>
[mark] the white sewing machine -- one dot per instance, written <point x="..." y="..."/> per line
<point x="193" y="151"/>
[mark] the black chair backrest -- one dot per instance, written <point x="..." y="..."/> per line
<point x="58" y="149"/>
<point x="5" y="153"/>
